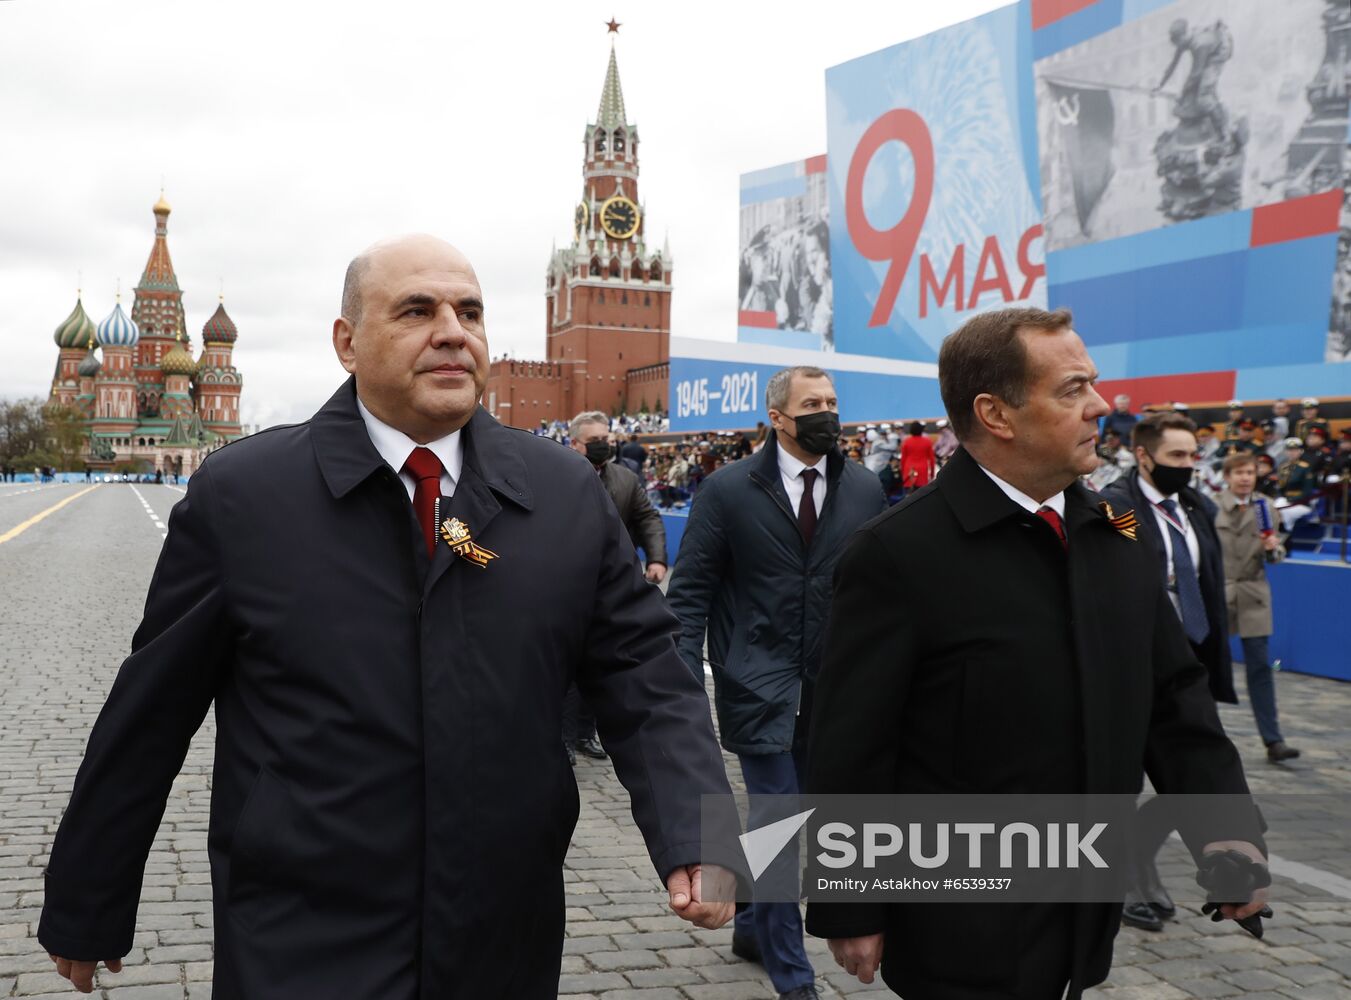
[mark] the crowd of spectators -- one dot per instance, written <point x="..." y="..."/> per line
<point x="1299" y="456"/>
<point x="1300" y="461"/>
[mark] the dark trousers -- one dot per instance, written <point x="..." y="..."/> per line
<point x="1261" y="687"/>
<point x="776" y="927"/>
<point x="578" y="722"/>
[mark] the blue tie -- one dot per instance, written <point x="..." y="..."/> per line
<point x="1190" y="603"/>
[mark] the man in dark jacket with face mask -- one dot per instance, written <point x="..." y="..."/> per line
<point x="754" y="573"/>
<point x="590" y="434"/>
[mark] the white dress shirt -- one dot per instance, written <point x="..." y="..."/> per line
<point x="1193" y="545"/>
<point x="395" y="446"/>
<point x="791" y="471"/>
<point x="1056" y="503"/>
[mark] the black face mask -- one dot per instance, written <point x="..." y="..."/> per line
<point x="817" y="433"/>
<point x="598" y="452"/>
<point x="1168" y="479"/>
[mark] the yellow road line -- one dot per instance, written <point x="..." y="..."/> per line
<point x="17" y="531"/>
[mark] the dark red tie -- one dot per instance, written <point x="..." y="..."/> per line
<point x="1053" y="519"/>
<point x="425" y="467"/>
<point x="806" y="509"/>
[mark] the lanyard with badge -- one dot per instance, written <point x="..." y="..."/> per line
<point x="1180" y="523"/>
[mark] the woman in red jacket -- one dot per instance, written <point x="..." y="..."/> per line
<point x="918" y="464"/>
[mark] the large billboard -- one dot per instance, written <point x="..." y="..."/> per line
<point x="934" y="189"/>
<point x="1174" y="172"/>
<point x="1193" y="178"/>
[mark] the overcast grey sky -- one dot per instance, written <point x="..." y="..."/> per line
<point x="291" y="135"/>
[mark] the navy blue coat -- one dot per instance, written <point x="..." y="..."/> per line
<point x="391" y="800"/>
<point x="746" y="576"/>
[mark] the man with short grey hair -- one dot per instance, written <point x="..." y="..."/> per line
<point x="590" y="435"/>
<point x="386" y="646"/>
<point x="755" y="575"/>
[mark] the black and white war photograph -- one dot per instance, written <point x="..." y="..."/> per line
<point x="1199" y="108"/>
<point x="785" y="262"/>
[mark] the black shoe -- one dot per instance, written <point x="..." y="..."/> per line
<point x="807" y="992"/>
<point x="746" y="948"/>
<point x="1279" y="751"/>
<point x="572" y="757"/>
<point x="1138" y="913"/>
<point x="1153" y="892"/>
<point x="590" y="747"/>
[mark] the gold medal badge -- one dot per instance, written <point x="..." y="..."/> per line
<point x="461" y="542"/>
<point x="1124" y="523"/>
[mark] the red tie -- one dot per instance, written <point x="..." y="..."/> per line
<point x="1053" y="519"/>
<point x="425" y="467"/>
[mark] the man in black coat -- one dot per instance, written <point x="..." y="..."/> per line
<point x="754" y="575"/>
<point x="589" y="434"/>
<point x="390" y="803"/>
<point x="1179" y="532"/>
<point x="974" y="650"/>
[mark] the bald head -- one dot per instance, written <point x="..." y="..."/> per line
<point x="399" y="252"/>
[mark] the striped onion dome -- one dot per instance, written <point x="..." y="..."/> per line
<point x="90" y="366"/>
<point x="220" y="328"/>
<point x="178" y="361"/>
<point x="118" y="330"/>
<point x="76" y="329"/>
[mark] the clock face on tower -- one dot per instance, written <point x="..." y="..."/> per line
<point x="580" y="217"/>
<point x="619" y="217"/>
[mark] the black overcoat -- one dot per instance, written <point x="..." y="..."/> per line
<point x="746" y="577"/>
<point x="970" y="653"/>
<point x="1213" y="650"/>
<point x="391" y="800"/>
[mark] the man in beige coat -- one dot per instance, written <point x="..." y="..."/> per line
<point x="1247" y="550"/>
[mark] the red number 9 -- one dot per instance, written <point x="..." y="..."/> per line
<point x="896" y="244"/>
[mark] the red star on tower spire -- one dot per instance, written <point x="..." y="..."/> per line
<point x="613" y="25"/>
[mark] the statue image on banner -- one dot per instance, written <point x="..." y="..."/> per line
<point x="1192" y="110"/>
<point x="1201" y="158"/>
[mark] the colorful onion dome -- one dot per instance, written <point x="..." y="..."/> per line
<point x="76" y="329"/>
<point x="118" y="330"/>
<point x="90" y="366"/>
<point x="220" y="328"/>
<point x="178" y="361"/>
<point x="162" y="206"/>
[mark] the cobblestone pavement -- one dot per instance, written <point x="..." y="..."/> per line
<point x="74" y="584"/>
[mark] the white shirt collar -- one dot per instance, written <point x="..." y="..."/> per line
<point x="395" y="446"/>
<point x="1056" y="503"/>
<point x="791" y="468"/>
<point x="1152" y="493"/>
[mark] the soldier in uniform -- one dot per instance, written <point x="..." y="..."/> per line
<point x="1297" y="478"/>
<point x="1243" y="443"/>
<point x="1340" y="465"/>
<point x="1309" y="419"/>
<point x="1317" y="452"/>
<point x="1268" y="482"/>
<point x="1235" y="419"/>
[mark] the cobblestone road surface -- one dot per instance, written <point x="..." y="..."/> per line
<point x="74" y="584"/>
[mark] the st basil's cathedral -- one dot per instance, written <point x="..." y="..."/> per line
<point x="144" y="399"/>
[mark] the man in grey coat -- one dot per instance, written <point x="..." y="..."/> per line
<point x="755" y="574"/>
<point x="1248" y="547"/>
